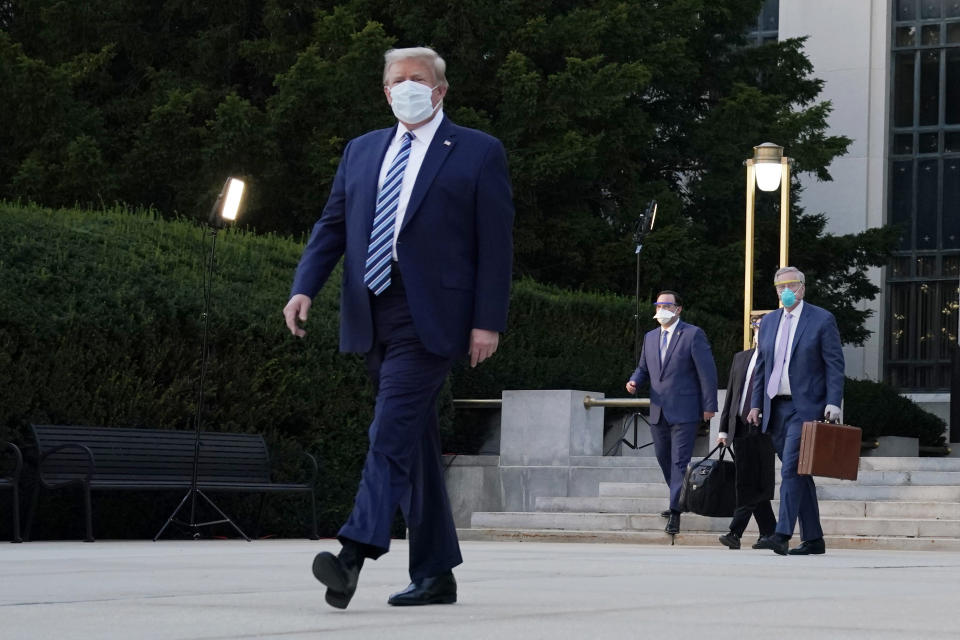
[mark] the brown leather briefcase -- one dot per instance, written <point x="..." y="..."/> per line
<point x="830" y="450"/>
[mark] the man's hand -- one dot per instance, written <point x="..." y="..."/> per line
<point x="483" y="344"/>
<point x="296" y="310"/>
<point x="754" y="417"/>
<point x="708" y="414"/>
<point x="631" y="386"/>
<point x="832" y="412"/>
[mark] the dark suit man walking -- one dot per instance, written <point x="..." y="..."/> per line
<point x="422" y="214"/>
<point x="677" y="363"/>
<point x="800" y="355"/>
<point x="754" y="451"/>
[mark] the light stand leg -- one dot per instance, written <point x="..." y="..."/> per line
<point x="193" y="491"/>
<point x="636" y="419"/>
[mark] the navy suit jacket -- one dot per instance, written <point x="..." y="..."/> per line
<point x="686" y="385"/>
<point x="455" y="248"/>
<point x="816" y="363"/>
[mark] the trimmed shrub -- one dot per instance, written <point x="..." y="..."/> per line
<point x="879" y="410"/>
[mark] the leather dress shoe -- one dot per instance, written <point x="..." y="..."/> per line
<point x="673" y="524"/>
<point x="665" y="513"/>
<point x="731" y="540"/>
<point x="774" y="542"/>
<point x="340" y="574"/>
<point x="810" y="548"/>
<point x="440" y="589"/>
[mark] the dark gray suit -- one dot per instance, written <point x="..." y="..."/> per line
<point x="754" y="453"/>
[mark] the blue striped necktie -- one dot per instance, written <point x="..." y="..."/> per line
<point x="380" y="249"/>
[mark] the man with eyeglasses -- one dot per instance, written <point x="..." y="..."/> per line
<point x="677" y="363"/>
<point x="800" y="355"/>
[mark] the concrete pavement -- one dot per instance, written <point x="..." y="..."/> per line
<point x="212" y="590"/>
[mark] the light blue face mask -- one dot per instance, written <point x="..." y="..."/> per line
<point x="788" y="298"/>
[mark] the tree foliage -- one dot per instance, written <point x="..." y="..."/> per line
<point x="602" y="105"/>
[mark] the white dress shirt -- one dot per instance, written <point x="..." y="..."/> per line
<point x="745" y="394"/>
<point x="422" y="137"/>
<point x="669" y="331"/>
<point x="784" y="389"/>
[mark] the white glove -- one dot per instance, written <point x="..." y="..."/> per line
<point x="832" y="412"/>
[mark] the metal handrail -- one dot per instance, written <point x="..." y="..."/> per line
<point x="630" y="403"/>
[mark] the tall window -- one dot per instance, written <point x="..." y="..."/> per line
<point x="924" y="194"/>
<point x="768" y="24"/>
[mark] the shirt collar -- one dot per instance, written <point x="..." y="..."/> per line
<point x="422" y="134"/>
<point x="796" y="310"/>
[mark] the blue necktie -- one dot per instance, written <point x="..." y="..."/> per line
<point x="663" y="344"/>
<point x="380" y="249"/>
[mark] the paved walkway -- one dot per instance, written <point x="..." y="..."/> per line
<point x="207" y="590"/>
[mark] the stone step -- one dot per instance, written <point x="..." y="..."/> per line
<point x="866" y="464"/>
<point x="828" y="508"/>
<point x="701" y="539"/>
<point x="905" y="464"/>
<point x="689" y="522"/>
<point x="872" y="478"/>
<point x="825" y="491"/>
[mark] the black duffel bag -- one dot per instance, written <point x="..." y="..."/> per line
<point x="710" y="486"/>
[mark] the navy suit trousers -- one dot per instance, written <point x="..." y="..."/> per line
<point x="403" y="468"/>
<point x="673" y="444"/>
<point x="798" y="494"/>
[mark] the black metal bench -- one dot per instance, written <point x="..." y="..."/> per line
<point x="12" y="481"/>
<point x="121" y="459"/>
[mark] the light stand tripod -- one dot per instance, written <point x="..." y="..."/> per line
<point x="224" y="210"/>
<point x="641" y="231"/>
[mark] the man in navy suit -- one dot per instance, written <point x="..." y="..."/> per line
<point x="800" y="355"/>
<point x="677" y="363"/>
<point x="422" y="214"/>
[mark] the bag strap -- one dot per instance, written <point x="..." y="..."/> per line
<point x="723" y="451"/>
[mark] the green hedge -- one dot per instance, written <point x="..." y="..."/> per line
<point x="879" y="410"/>
<point x="100" y="323"/>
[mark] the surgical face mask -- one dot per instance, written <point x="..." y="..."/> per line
<point x="410" y="101"/>
<point x="663" y="316"/>
<point x="788" y="297"/>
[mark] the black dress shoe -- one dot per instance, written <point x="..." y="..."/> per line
<point x="665" y="513"/>
<point x="731" y="540"/>
<point x="440" y="589"/>
<point x="340" y="574"/>
<point x="673" y="524"/>
<point x="776" y="543"/>
<point x="810" y="548"/>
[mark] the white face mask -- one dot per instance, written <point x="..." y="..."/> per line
<point x="411" y="103"/>
<point x="663" y="316"/>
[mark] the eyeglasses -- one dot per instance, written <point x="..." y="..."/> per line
<point x="793" y="285"/>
